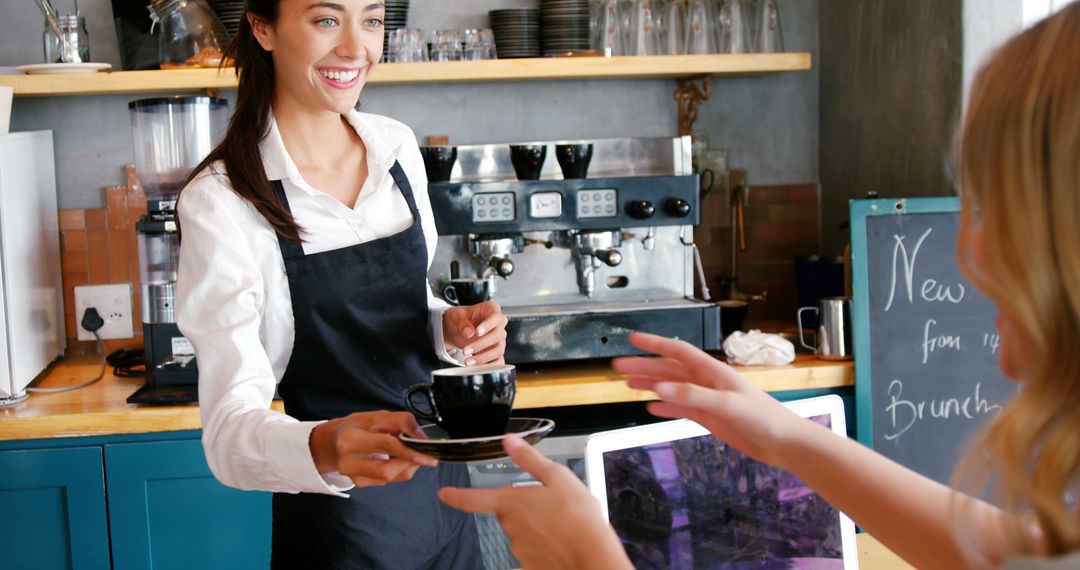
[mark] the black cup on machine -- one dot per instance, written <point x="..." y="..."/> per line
<point x="732" y="316"/>
<point x="471" y="401"/>
<point x="528" y="160"/>
<point x="439" y="162"/>
<point x="574" y="159"/>
<point x="466" y="291"/>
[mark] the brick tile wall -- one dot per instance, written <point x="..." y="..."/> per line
<point x="98" y="247"/>
<point x="782" y="223"/>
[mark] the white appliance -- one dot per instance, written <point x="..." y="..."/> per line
<point x="31" y="294"/>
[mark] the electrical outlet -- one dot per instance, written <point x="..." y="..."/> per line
<point x="113" y="303"/>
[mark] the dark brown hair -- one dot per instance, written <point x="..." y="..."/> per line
<point x="250" y="122"/>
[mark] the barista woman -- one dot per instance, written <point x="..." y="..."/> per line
<point x="307" y="235"/>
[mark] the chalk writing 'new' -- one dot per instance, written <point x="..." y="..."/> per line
<point x="930" y="290"/>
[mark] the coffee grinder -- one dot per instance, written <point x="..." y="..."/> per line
<point x="171" y="135"/>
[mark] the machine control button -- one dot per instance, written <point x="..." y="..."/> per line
<point x="640" y="209"/>
<point x="591" y="202"/>
<point x="677" y="207"/>
<point x="492" y="207"/>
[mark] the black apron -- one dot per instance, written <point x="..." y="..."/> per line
<point x="361" y="316"/>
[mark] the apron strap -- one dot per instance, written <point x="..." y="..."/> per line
<point x="289" y="249"/>
<point x="405" y="187"/>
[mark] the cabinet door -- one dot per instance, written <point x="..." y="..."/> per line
<point x="53" y="509"/>
<point x="167" y="511"/>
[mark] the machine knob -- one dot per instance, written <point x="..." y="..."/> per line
<point x="504" y="267"/>
<point x="640" y="209"/>
<point x="611" y="257"/>
<point x="678" y="208"/>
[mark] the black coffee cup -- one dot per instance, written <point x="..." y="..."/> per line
<point x="528" y="160"/>
<point x="439" y="162"/>
<point x="574" y="159"/>
<point x="471" y="401"/>
<point x="466" y="291"/>
<point x="732" y="316"/>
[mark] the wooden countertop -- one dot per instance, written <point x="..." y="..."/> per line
<point x="874" y="556"/>
<point x="101" y="409"/>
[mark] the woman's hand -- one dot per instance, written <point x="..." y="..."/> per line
<point x="478" y="330"/>
<point x="362" y="447"/>
<point x="558" y="525"/>
<point x="697" y="386"/>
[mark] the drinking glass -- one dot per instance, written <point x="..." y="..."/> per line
<point x="673" y="27"/>
<point x="596" y="7"/>
<point x="610" y="28"/>
<point x="734" y="33"/>
<point x="770" y="39"/>
<point x="700" y="37"/>
<point x="446" y="46"/>
<point x="479" y="44"/>
<point x="644" y="39"/>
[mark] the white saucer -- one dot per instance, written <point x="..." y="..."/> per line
<point x="61" y="68"/>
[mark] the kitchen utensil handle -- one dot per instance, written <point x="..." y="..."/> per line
<point x="433" y="414"/>
<point x="798" y="318"/>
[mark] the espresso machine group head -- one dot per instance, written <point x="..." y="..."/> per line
<point x="578" y="263"/>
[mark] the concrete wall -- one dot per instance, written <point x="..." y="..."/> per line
<point x="768" y="123"/>
<point x="988" y="23"/>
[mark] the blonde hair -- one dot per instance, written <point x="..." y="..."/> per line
<point x="1019" y="168"/>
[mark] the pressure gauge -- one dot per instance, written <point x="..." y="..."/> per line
<point x="545" y="205"/>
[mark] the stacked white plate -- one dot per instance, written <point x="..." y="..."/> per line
<point x="228" y="13"/>
<point x="517" y="32"/>
<point x="564" y="26"/>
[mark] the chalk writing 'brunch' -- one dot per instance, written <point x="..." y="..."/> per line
<point x="905" y="413"/>
<point x="930" y="290"/>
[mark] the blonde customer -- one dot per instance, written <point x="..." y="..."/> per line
<point x="1019" y="166"/>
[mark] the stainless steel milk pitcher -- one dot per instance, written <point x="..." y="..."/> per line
<point x="834" y="328"/>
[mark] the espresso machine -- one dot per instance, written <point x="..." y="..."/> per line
<point x="171" y="135"/>
<point x="576" y="264"/>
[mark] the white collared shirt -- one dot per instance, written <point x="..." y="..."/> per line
<point x="233" y="300"/>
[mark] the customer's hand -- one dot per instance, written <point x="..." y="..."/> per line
<point x="557" y="525"/>
<point x="362" y="447"/>
<point x="697" y="386"/>
<point x="479" y="331"/>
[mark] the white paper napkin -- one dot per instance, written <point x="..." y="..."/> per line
<point x="756" y="347"/>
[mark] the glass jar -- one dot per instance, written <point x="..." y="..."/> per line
<point x="189" y="34"/>
<point x="73" y="45"/>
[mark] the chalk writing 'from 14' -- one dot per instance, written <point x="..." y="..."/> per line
<point x="930" y="290"/>
<point x="905" y="413"/>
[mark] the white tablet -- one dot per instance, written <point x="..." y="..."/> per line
<point x="681" y="499"/>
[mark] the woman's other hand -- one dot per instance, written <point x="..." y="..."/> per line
<point x="362" y="447"/>
<point x="557" y="525"/>
<point x="697" y="386"/>
<point x="479" y="331"/>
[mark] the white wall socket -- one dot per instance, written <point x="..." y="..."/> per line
<point x="113" y="303"/>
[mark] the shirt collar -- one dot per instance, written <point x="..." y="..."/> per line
<point x="278" y="165"/>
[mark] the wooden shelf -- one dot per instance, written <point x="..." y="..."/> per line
<point x="428" y="72"/>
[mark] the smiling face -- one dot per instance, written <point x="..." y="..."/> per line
<point x="323" y="51"/>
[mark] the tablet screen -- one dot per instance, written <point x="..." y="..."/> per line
<point x="696" y="503"/>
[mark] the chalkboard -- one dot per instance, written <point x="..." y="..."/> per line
<point x="926" y="375"/>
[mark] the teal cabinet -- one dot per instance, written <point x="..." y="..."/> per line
<point x="166" y="511"/>
<point x="52" y="509"/>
